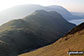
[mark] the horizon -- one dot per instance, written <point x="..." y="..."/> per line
<point x="70" y="5"/>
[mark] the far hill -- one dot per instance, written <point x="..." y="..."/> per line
<point x="36" y="30"/>
<point x="21" y="11"/>
<point x="73" y="41"/>
<point x="78" y="14"/>
<point x="64" y="12"/>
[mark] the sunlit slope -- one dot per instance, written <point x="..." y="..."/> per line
<point x="73" y="41"/>
<point x="18" y="34"/>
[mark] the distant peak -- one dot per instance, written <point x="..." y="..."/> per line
<point x="40" y="11"/>
<point x="55" y="6"/>
<point x="44" y="11"/>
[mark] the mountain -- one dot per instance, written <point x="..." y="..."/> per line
<point x="36" y="30"/>
<point x="78" y="14"/>
<point x="64" y="12"/>
<point x="49" y="21"/>
<point x="72" y="41"/>
<point x="21" y="11"/>
<point x="16" y="12"/>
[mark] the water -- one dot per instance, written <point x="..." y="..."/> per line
<point x="77" y="21"/>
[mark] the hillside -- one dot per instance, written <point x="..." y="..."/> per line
<point x="43" y="21"/>
<point x="21" y="11"/>
<point x="78" y="14"/>
<point x="64" y="12"/>
<point x="73" y="41"/>
<point x="34" y="31"/>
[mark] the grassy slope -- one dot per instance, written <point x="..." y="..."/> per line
<point x="73" y="41"/>
<point x="34" y="31"/>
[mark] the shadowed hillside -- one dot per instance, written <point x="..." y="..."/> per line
<point x="73" y="41"/>
<point x="6" y="50"/>
<point x="34" y="31"/>
<point x="50" y="23"/>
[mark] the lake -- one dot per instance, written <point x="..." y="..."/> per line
<point x="77" y="21"/>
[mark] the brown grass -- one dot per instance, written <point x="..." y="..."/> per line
<point x="74" y="42"/>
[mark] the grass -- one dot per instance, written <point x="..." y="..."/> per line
<point x="74" y="42"/>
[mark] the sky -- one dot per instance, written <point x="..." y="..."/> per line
<point x="71" y="5"/>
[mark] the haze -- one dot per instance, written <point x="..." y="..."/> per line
<point x="71" y="5"/>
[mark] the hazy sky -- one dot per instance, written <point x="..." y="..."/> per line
<point x="71" y="5"/>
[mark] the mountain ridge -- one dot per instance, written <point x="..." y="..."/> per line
<point x="70" y="42"/>
<point x="34" y="31"/>
<point x="18" y="12"/>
